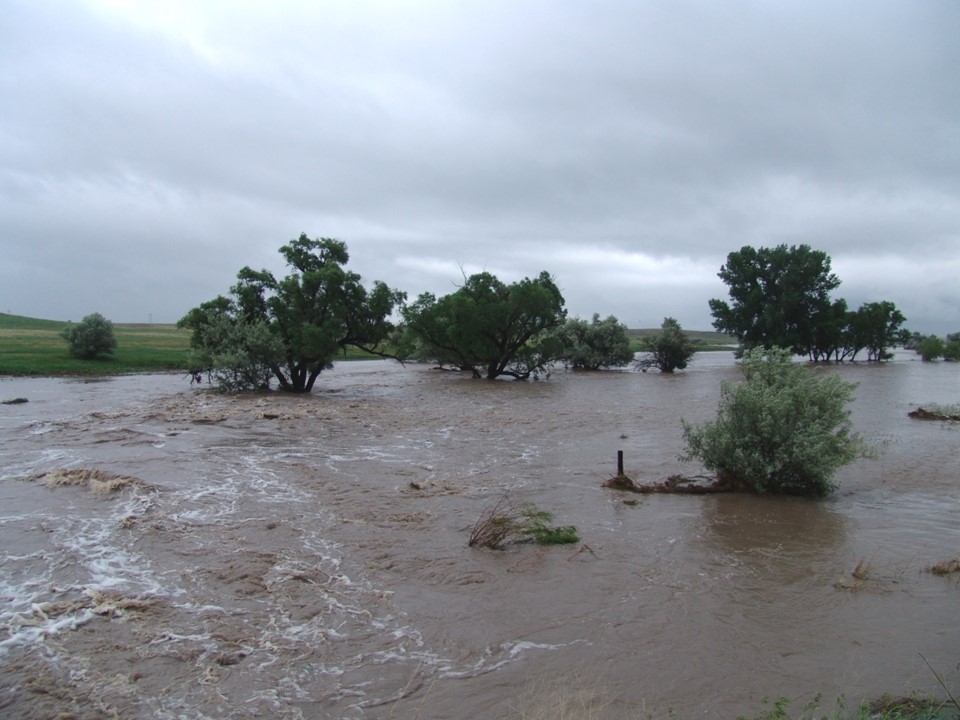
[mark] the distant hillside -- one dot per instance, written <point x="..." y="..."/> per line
<point x="18" y="322"/>
<point x="708" y="337"/>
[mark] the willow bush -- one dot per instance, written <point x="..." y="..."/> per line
<point x="784" y="429"/>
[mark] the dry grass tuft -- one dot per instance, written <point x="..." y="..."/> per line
<point x="566" y="698"/>
<point x="861" y="573"/>
<point x="494" y="526"/>
<point x="863" y="568"/>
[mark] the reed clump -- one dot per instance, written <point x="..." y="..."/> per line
<point x="505" y="523"/>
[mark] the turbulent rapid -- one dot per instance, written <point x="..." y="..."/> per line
<point x="173" y="553"/>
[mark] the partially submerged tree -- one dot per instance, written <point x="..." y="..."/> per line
<point x="829" y="333"/>
<point x="951" y="349"/>
<point x="596" y="344"/>
<point x="875" y="327"/>
<point x="668" y="350"/>
<point x="295" y="326"/>
<point x="90" y="338"/>
<point x="775" y="295"/>
<point x="784" y="429"/>
<point x="931" y="348"/>
<point x="780" y="297"/>
<point x="488" y="327"/>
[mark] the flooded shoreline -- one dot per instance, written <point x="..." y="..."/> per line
<point x="306" y="557"/>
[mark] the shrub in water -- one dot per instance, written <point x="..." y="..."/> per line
<point x="668" y="350"/>
<point x="784" y="429"/>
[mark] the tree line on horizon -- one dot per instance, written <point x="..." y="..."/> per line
<point x="292" y="328"/>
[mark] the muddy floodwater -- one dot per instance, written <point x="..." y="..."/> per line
<point x="171" y="553"/>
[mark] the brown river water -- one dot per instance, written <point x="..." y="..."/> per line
<point x="269" y="556"/>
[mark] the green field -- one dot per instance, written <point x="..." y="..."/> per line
<point x="33" y="347"/>
<point x="29" y="346"/>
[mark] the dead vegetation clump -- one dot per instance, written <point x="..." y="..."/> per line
<point x="96" y="481"/>
<point x="946" y="567"/>
<point x="935" y="413"/>
<point x="494" y="526"/>
<point x="677" y="484"/>
<point x="861" y="573"/>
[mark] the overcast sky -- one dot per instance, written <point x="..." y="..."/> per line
<point x="149" y="150"/>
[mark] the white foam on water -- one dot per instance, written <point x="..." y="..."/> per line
<point x="36" y="626"/>
<point x="21" y="462"/>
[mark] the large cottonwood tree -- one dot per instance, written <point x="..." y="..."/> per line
<point x="776" y="295"/>
<point x="780" y="297"/>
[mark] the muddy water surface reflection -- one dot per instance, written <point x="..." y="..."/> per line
<point x="306" y="557"/>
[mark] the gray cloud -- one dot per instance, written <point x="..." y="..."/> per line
<point x="149" y="153"/>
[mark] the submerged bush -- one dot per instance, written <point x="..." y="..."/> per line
<point x="90" y="338"/>
<point x="668" y="350"/>
<point x="595" y="345"/>
<point x="931" y="348"/>
<point x="784" y="429"/>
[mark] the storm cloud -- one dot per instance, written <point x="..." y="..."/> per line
<point x="151" y="149"/>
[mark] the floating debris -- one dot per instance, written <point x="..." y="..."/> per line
<point x="97" y="481"/>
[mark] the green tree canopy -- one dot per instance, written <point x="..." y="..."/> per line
<point x="951" y="349"/>
<point x="775" y="296"/>
<point x="931" y="348"/>
<point x="488" y="327"/>
<point x="90" y="338"/>
<point x="293" y="326"/>
<point x="668" y="350"/>
<point x="596" y="344"/>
